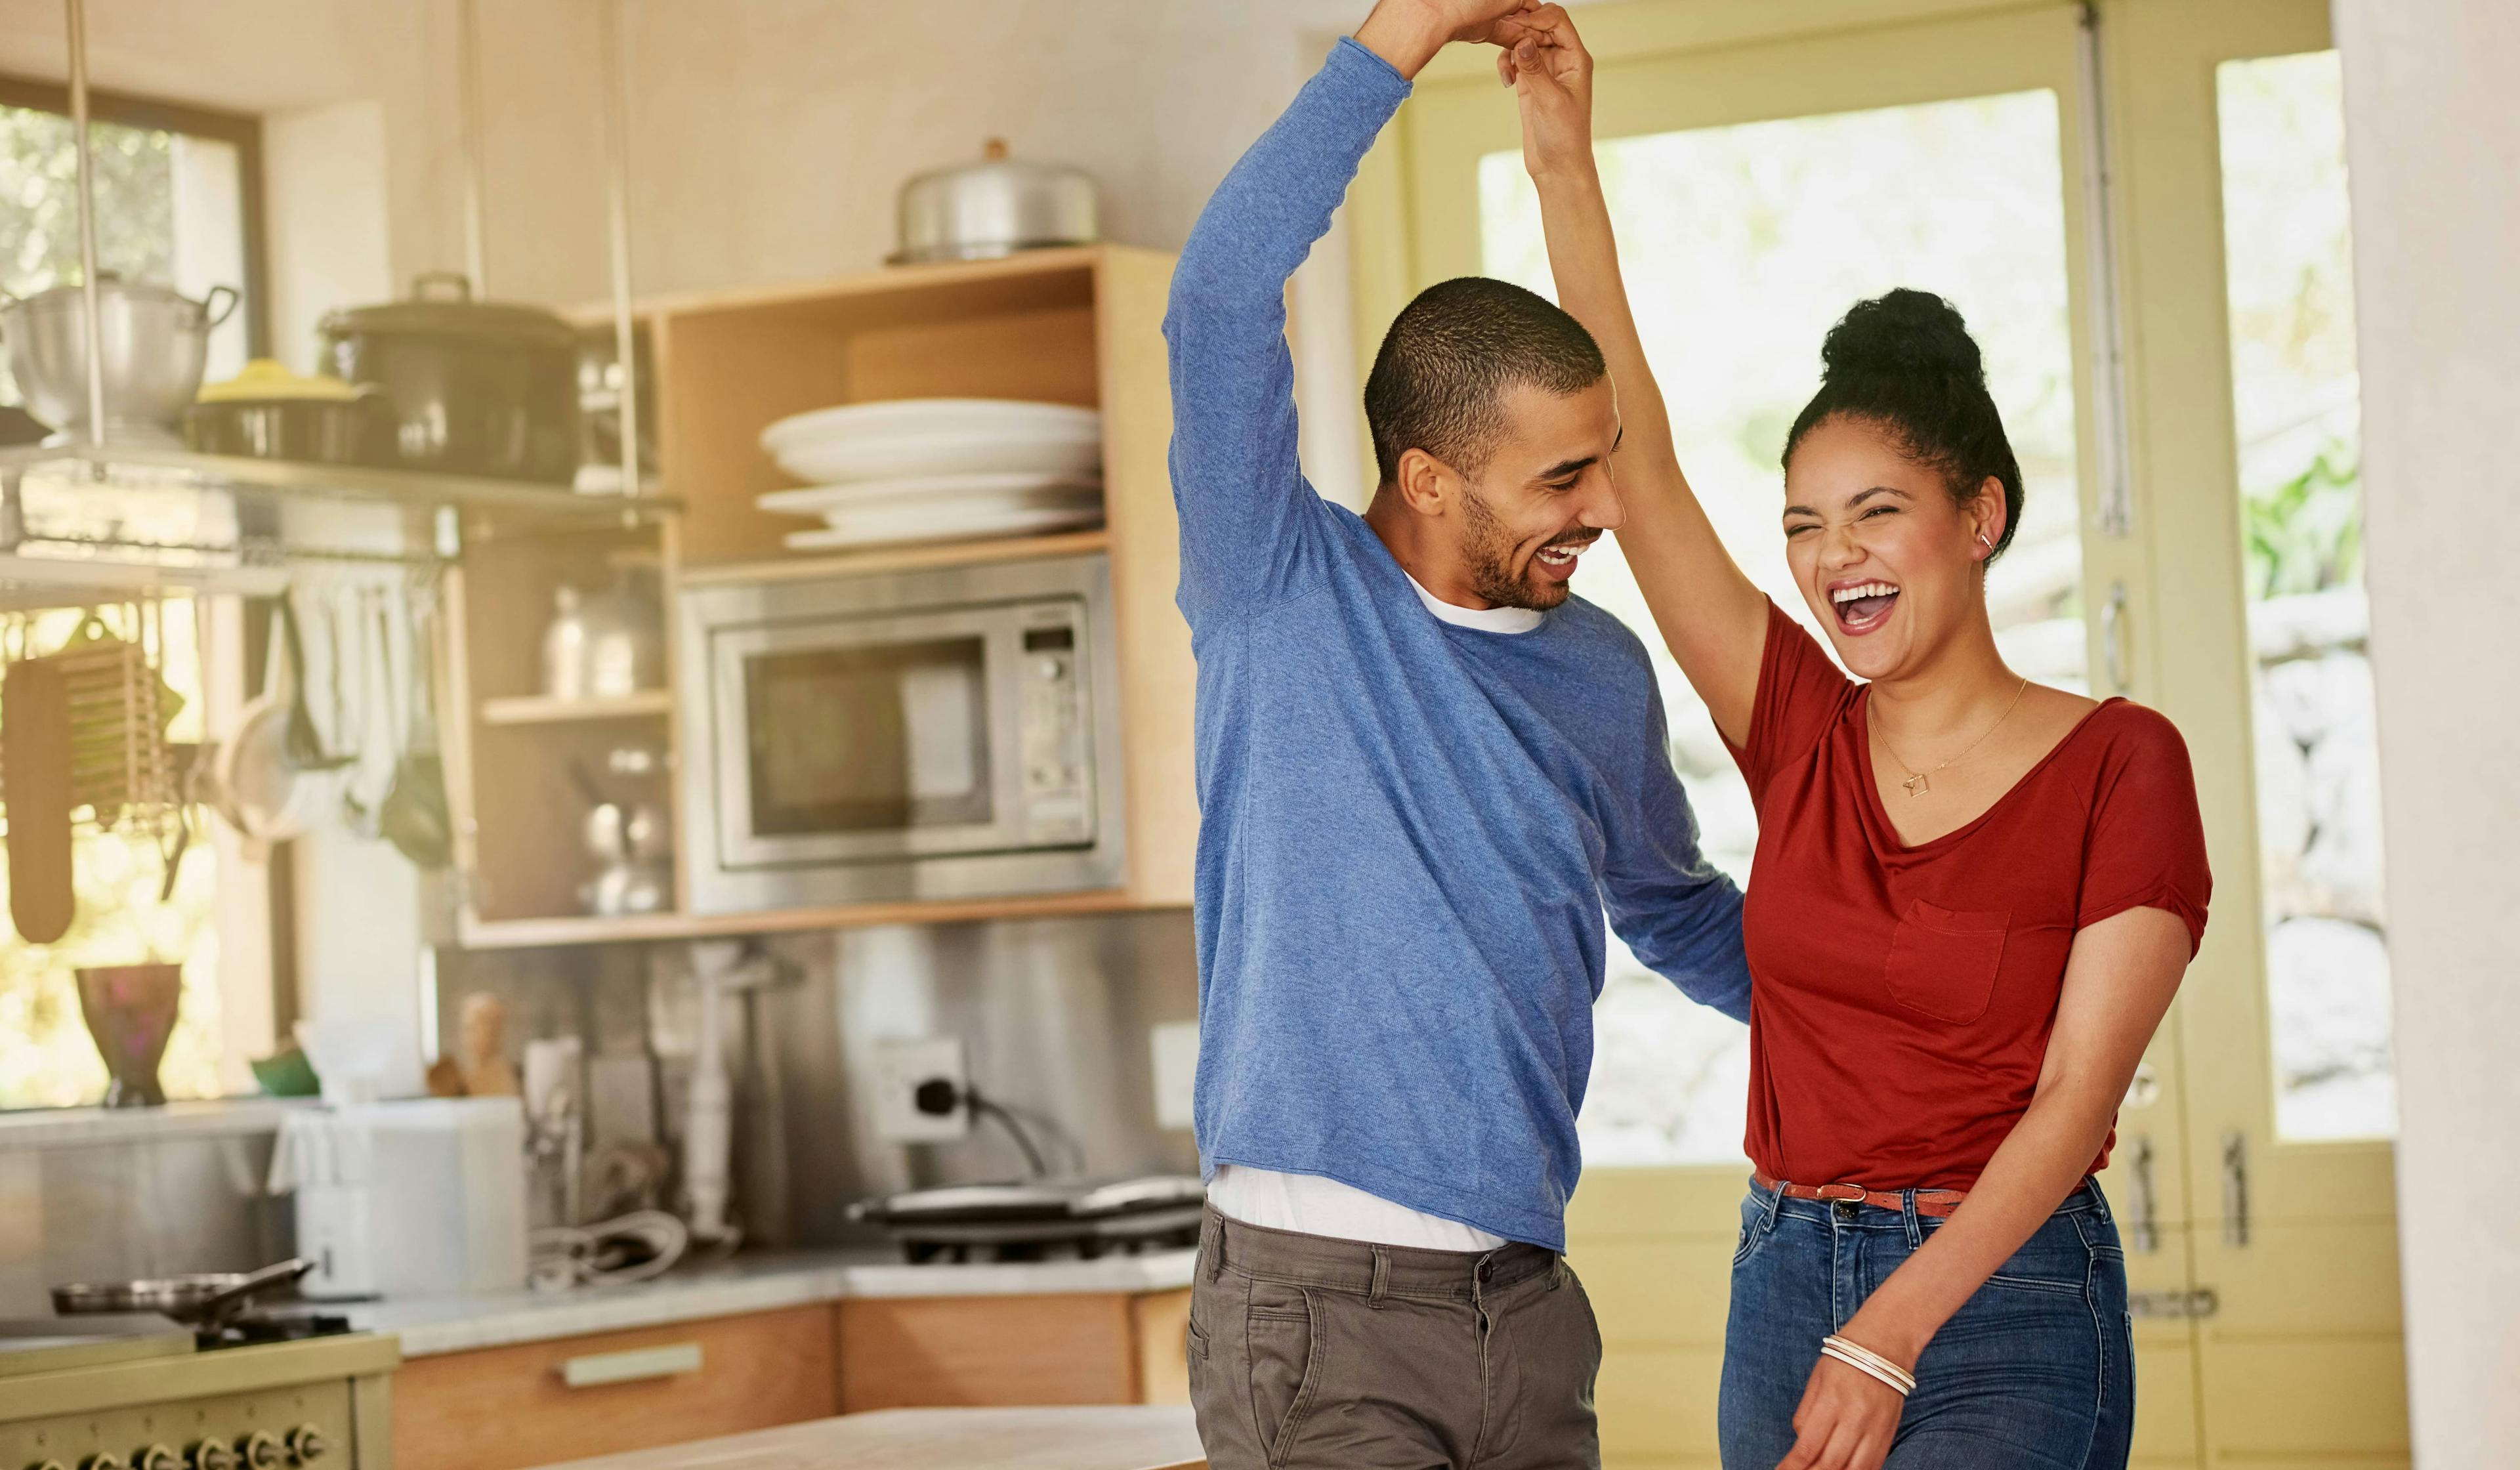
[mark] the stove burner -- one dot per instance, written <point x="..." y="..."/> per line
<point x="273" y="1327"/>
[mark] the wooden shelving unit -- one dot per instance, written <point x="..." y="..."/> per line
<point x="1078" y="327"/>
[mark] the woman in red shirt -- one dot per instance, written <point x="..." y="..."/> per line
<point x="1972" y="900"/>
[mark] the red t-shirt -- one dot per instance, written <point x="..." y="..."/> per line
<point x="1901" y="998"/>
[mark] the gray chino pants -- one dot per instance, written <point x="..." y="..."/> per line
<point x="1306" y="1351"/>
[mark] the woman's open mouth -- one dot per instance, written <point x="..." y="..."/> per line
<point x="1862" y="606"/>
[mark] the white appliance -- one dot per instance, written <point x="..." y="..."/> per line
<point x="424" y="1197"/>
<point x="947" y="732"/>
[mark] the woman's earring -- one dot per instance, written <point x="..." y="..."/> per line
<point x="1989" y="545"/>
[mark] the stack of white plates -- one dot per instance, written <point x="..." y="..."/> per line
<point x="937" y="470"/>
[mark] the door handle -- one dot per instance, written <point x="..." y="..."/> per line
<point x="2113" y="641"/>
<point x="2143" y="1232"/>
<point x="2235" y="1189"/>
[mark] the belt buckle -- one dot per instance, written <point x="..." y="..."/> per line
<point x="1849" y="1193"/>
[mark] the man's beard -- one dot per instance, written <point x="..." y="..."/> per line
<point x="1488" y="547"/>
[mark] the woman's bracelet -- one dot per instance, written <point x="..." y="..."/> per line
<point x="1864" y="1359"/>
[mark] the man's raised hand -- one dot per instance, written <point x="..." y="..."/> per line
<point x="1408" y="33"/>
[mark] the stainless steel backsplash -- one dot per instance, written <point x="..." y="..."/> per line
<point x="106" y="1211"/>
<point x="1056" y="1016"/>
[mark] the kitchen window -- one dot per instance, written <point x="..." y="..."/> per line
<point x="178" y="203"/>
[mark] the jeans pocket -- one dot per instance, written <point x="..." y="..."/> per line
<point x="1279" y="1331"/>
<point x="1942" y="961"/>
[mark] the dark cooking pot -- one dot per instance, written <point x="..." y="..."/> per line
<point x="473" y="387"/>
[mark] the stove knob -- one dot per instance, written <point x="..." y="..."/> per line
<point x="103" y="1459"/>
<point x="157" y="1458"/>
<point x="212" y="1454"/>
<point x="48" y="1465"/>
<point x="308" y="1444"/>
<point x="261" y="1450"/>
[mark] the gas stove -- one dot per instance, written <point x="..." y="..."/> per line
<point x="1041" y="1219"/>
<point x="276" y="1391"/>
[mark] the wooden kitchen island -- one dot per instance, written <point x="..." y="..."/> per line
<point x="1147" y="1438"/>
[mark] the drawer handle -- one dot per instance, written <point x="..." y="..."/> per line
<point x="633" y="1367"/>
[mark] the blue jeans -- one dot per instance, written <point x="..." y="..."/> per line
<point x="2035" y="1372"/>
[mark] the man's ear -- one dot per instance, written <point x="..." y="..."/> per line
<point x="1426" y="484"/>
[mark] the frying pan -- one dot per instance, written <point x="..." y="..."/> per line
<point x="206" y="1300"/>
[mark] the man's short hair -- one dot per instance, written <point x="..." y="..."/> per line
<point x="1449" y="358"/>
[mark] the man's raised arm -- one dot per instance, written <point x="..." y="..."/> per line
<point x="1240" y="498"/>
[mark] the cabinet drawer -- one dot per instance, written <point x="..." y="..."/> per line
<point x="537" y="1404"/>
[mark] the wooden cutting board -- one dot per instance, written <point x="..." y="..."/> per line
<point x="35" y="788"/>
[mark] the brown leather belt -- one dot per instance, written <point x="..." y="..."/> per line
<point x="1938" y="1203"/>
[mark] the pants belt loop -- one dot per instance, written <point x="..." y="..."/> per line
<point x="1211" y="1244"/>
<point x="1908" y="1215"/>
<point x="1381" y="1277"/>
<point x="1776" y="1202"/>
<point x="2099" y="1202"/>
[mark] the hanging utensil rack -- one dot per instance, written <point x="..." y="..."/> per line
<point x="95" y="522"/>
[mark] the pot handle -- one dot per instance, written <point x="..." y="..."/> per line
<point x="214" y="310"/>
<point x="459" y="282"/>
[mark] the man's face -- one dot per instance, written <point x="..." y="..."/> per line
<point x="1544" y="497"/>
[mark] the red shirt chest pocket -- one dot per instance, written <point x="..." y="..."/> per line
<point x="1942" y="961"/>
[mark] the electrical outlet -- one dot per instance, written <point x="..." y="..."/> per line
<point x="901" y="1068"/>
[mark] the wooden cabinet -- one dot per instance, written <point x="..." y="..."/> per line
<point x="1077" y="327"/>
<point x="941" y="1352"/>
<point x="538" y="1403"/>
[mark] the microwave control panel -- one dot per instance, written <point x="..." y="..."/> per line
<point x="1058" y="734"/>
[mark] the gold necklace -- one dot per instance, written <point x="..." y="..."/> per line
<point x="1919" y="782"/>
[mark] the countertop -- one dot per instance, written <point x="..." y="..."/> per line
<point x="743" y="1283"/>
<point x="944" y="1438"/>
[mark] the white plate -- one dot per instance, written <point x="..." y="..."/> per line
<point x="894" y="417"/>
<point x="822" y="500"/>
<point x="825" y="462"/>
<point x="869" y="531"/>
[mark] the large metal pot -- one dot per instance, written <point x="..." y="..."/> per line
<point x="473" y="387"/>
<point x="154" y="342"/>
<point x="995" y="207"/>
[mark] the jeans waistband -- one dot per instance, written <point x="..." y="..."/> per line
<point x="1363" y="1268"/>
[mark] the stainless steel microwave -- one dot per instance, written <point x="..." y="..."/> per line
<point x="941" y="734"/>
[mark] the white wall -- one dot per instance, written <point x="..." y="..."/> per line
<point x="2433" y="147"/>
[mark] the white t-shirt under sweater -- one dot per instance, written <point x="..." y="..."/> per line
<point x="1311" y="1205"/>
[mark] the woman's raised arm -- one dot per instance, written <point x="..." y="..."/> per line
<point x="1715" y="620"/>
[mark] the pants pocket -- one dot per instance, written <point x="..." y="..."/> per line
<point x="1279" y="1331"/>
<point x="1942" y="961"/>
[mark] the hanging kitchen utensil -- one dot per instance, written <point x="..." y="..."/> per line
<point x="271" y="792"/>
<point x="35" y="786"/>
<point x="414" y="817"/>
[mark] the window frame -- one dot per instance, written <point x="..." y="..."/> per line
<point x="242" y="131"/>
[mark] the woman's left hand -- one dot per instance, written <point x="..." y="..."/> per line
<point x="1846" y="1421"/>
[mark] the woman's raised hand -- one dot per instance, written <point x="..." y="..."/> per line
<point x="1544" y="60"/>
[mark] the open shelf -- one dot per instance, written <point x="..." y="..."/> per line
<point x="901" y="559"/>
<point x="543" y="709"/>
<point x="157" y="468"/>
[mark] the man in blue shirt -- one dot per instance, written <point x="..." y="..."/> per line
<point x="1425" y="769"/>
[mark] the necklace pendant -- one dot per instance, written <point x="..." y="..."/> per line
<point x="1917" y="785"/>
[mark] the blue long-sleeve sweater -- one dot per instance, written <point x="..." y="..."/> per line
<point x="1409" y="831"/>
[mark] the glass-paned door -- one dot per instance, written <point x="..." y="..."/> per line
<point x="2288" y="257"/>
